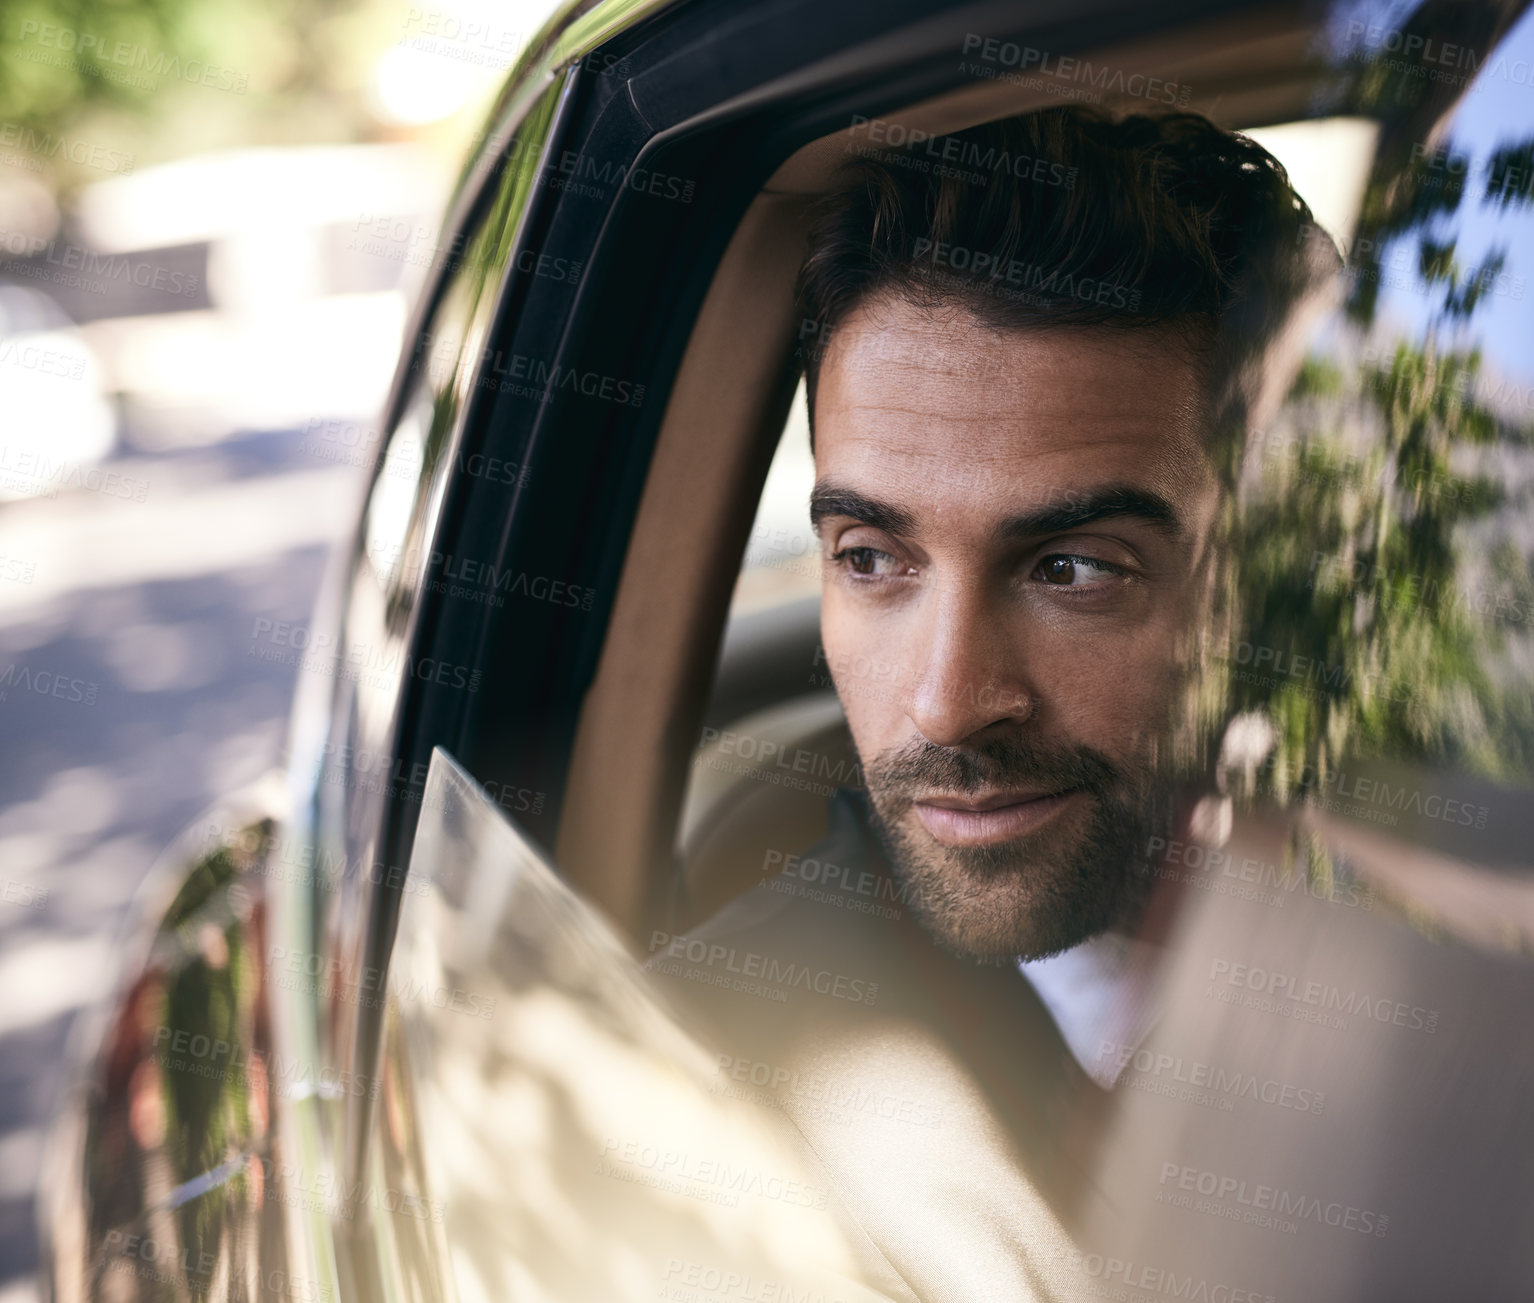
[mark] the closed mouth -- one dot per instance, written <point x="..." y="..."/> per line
<point x="993" y="801"/>
<point x="992" y="818"/>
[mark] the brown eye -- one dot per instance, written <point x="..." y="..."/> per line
<point x="866" y="562"/>
<point x="1059" y="570"/>
<point x="1078" y="573"/>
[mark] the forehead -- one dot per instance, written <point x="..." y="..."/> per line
<point x="958" y="413"/>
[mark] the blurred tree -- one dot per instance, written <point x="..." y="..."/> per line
<point x="1363" y="628"/>
<point x="152" y="78"/>
<point x="1375" y="585"/>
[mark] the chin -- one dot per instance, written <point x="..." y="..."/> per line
<point x="999" y="923"/>
<point x="1018" y="900"/>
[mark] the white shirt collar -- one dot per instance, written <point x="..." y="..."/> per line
<point x="1099" y="994"/>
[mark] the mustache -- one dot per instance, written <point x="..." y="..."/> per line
<point x="923" y="768"/>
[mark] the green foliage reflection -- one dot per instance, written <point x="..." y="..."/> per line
<point x="1376" y="599"/>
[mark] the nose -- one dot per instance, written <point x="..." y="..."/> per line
<point x="969" y="669"/>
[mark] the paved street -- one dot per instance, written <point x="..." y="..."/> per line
<point x="129" y="701"/>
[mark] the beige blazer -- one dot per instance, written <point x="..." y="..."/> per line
<point x="1329" y="1105"/>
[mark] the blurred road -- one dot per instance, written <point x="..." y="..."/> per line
<point x="129" y="701"/>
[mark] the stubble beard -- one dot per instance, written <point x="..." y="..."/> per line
<point x="1086" y="871"/>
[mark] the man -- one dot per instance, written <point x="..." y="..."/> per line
<point x="1019" y="421"/>
<point x="1028" y="408"/>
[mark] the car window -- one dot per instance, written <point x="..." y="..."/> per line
<point x="780" y="569"/>
<point x="550" y="1129"/>
<point x="782" y="560"/>
<point x="773" y="705"/>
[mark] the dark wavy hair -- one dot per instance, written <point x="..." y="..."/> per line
<point x="1070" y="218"/>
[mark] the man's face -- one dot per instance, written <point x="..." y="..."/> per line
<point x="1013" y="527"/>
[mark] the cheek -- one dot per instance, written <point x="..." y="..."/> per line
<point x="1123" y="691"/>
<point x="863" y="659"/>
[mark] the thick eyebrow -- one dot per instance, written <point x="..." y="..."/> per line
<point x="1080" y="509"/>
<point x="829" y="499"/>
